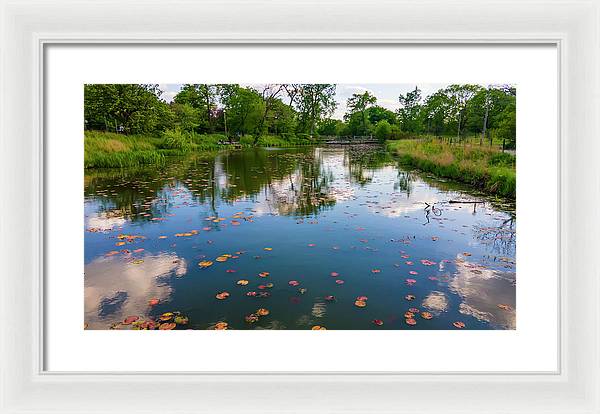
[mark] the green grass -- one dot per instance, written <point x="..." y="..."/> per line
<point x="485" y="168"/>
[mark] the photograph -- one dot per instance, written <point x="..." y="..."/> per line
<point x="308" y="206"/>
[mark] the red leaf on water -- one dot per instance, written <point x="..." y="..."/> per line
<point x="130" y="319"/>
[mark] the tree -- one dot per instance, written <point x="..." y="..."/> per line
<point x="281" y="118"/>
<point x="459" y="97"/>
<point x="313" y="101"/>
<point x="269" y="94"/>
<point x="378" y="113"/>
<point x="410" y="109"/>
<point x="507" y="126"/>
<point x="242" y="108"/>
<point x="202" y="97"/>
<point x="186" y="116"/>
<point x="383" y="130"/>
<point x="133" y="107"/>
<point x="436" y="112"/>
<point x="330" y="127"/>
<point x="357" y="112"/>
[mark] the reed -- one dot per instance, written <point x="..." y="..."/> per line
<point x="485" y="168"/>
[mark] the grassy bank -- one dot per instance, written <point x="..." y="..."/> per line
<point x="110" y="150"/>
<point x="487" y="169"/>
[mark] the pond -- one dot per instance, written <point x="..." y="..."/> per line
<point x="340" y="238"/>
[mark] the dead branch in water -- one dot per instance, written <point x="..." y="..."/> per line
<point x="465" y="202"/>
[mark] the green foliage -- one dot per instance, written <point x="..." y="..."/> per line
<point x="410" y="110"/>
<point x="130" y="108"/>
<point x="488" y="169"/>
<point x="383" y="130"/>
<point x="313" y="101"/>
<point x="377" y="113"/>
<point x="203" y="98"/>
<point x="357" y="116"/>
<point x="507" y="126"/>
<point x="176" y="139"/>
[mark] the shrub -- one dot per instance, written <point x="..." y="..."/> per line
<point x="176" y="139"/>
<point x="383" y="130"/>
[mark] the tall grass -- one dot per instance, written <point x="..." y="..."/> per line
<point x="110" y="150"/>
<point x="485" y="168"/>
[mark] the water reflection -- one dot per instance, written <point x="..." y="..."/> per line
<point x="344" y="211"/>
<point x="116" y="287"/>
<point x="482" y="290"/>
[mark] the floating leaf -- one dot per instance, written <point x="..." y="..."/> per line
<point x="242" y="282"/>
<point x="167" y="326"/>
<point x="204" y="264"/>
<point x="251" y="318"/>
<point x="221" y="259"/>
<point x="221" y="326"/>
<point x="167" y="316"/>
<point x="360" y="303"/>
<point x="222" y="295"/>
<point x="162" y="237"/>
<point x="262" y="312"/>
<point x="409" y="315"/>
<point x="268" y="249"/>
<point x="411" y="321"/>
<point x="147" y="325"/>
<point x="426" y="315"/>
<point x="264" y="274"/>
<point x="130" y="319"/>
<point x="318" y="328"/>
<point x="181" y="320"/>
<point x="459" y="324"/>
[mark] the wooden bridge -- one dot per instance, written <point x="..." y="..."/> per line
<point x="348" y="140"/>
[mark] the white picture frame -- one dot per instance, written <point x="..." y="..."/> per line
<point x="29" y="26"/>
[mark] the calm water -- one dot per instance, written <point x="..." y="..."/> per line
<point x="338" y="223"/>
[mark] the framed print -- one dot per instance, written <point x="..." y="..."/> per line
<point x="190" y="192"/>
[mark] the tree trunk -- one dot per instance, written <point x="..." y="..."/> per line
<point x="485" y="118"/>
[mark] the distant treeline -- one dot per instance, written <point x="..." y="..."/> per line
<point x="300" y="110"/>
